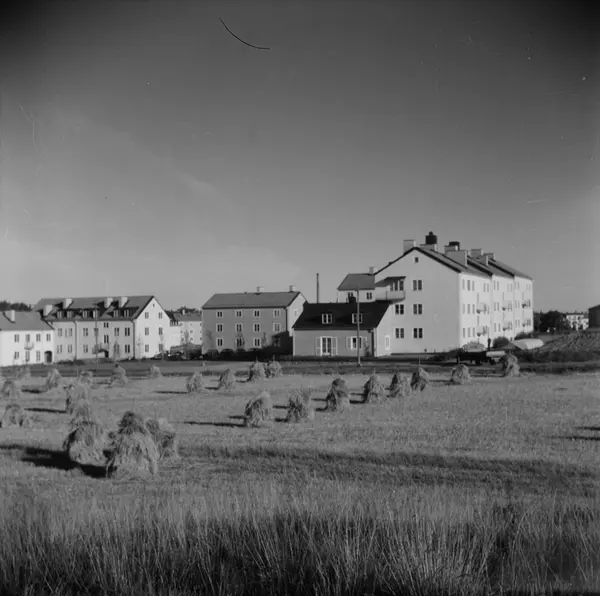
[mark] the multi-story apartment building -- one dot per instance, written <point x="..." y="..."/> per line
<point x="446" y="298"/>
<point x="25" y="338"/>
<point x="186" y="328"/>
<point x="120" y="328"/>
<point x="578" y="321"/>
<point x="251" y="320"/>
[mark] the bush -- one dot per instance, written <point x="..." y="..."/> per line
<point x="500" y="342"/>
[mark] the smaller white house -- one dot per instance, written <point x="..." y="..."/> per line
<point x="186" y="328"/>
<point x="25" y="338"/>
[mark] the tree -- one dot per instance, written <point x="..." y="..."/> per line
<point x="18" y="306"/>
<point x="553" y="320"/>
<point x="209" y="339"/>
<point x="187" y="342"/>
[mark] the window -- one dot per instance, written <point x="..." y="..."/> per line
<point x="463" y="284"/>
<point x="399" y="332"/>
<point x="238" y="314"/>
<point x="463" y="309"/>
<point x="116" y="332"/>
<point x="85" y="348"/>
<point x="58" y="350"/>
<point x="94" y="314"/>
<point x="38" y="337"/>
<point x="86" y="332"/>
<point x="147" y="331"/>
<point x="418" y="333"/>
<point x="417" y="285"/>
<point x="464" y="333"/>
<point x="256" y="342"/>
<point x="349" y="295"/>
<point x="146" y="315"/>
<point x="295" y="312"/>
<point x="84" y="314"/>
<point x="70" y="348"/>
<point x="127" y="349"/>
<point x="59" y="315"/>
<point x="146" y="348"/>
<point x="399" y="309"/>
<point x="256" y="327"/>
<point x="27" y="337"/>
<point x="256" y="314"/>
<point x="351" y="343"/>
<point x="160" y="315"/>
<point x="60" y="332"/>
<point x="27" y="356"/>
<point x="48" y="337"/>
<point x="38" y="356"/>
<point x="69" y="314"/>
<point x="276" y="313"/>
<point x="327" y="318"/>
<point x="69" y="332"/>
<point x="160" y="331"/>
<point x="398" y="285"/>
<point x="106" y="325"/>
<point x="417" y="309"/>
<point x="161" y="348"/>
<point x="468" y="309"/>
<point x="468" y="332"/>
<point x="239" y="342"/>
<point x="360" y="318"/>
<point x="416" y="259"/>
<point x="106" y="339"/>
<point x="219" y="314"/>
<point x="127" y="332"/>
<point x="219" y="328"/>
<point x="276" y="327"/>
<point x="239" y="327"/>
<point x="117" y="314"/>
<point x="17" y="338"/>
<point x="326" y="346"/>
<point x="95" y="332"/>
<point x="387" y="342"/>
<point x="369" y="295"/>
<point x="16" y="356"/>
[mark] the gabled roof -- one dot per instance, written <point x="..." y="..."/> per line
<point x="252" y="300"/>
<point x="510" y="270"/>
<point x="24" y="321"/>
<point x="386" y="281"/>
<point x="311" y="317"/>
<point x="188" y="316"/>
<point x="134" y="305"/>
<point x="490" y="268"/>
<point x="362" y="281"/>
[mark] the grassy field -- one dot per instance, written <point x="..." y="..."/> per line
<point x="485" y="488"/>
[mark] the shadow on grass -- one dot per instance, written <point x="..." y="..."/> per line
<point x="53" y="459"/>
<point x="46" y="410"/>
<point x="33" y="390"/>
<point x="576" y="438"/>
<point x="217" y="424"/>
<point x="176" y="392"/>
<point x="590" y="428"/>
<point x="236" y="417"/>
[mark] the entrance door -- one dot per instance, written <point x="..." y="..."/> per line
<point x="48" y="357"/>
<point x="327" y="346"/>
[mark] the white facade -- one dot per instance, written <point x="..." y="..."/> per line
<point x="578" y="320"/>
<point x="20" y="344"/>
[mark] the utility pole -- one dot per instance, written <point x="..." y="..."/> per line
<point x="357" y="327"/>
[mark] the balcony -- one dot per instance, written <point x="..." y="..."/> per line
<point x="481" y="330"/>
<point x="507" y="305"/>
<point x="394" y="295"/>
<point x="526" y="303"/>
<point x="482" y="307"/>
<point x="28" y="345"/>
<point x="506" y="326"/>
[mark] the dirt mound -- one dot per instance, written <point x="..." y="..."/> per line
<point x="586" y="341"/>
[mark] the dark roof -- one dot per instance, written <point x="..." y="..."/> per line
<point x="252" y="300"/>
<point x="24" y="321"/>
<point x="362" y="281"/>
<point x="188" y="316"/>
<point x="311" y="317"/>
<point x="510" y="270"/>
<point x="490" y="268"/>
<point x="135" y="305"/>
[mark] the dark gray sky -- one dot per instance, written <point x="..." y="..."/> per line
<point x="145" y="150"/>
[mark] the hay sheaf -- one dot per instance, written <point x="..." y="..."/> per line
<point x="85" y="377"/>
<point x="24" y="373"/>
<point x="338" y="398"/>
<point x="195" y="383"/>
<point x="273" y="369"/>
<point x="132" y="450"/>
<point x="164" y="436"/>
<point x="227" y="380"/>
<point x="76" y="393"/>
<point x="118" y="376"/>
<point x="373" y="390"/>
<point x="15" y="417"/>
<point x="53" y="381"/>
<point x="11" y="390"/>
<point x="86" y="439"/>
<point x="420" y="380"/>
<point x="259" y="411"/>
<point x="510" y="366"/>
<point x="154" y="372"/>
<point x="257" y="372"/>
<point x="300" y="407"/>
<point x="400" y="386"/>
<point x="460" y="375"/>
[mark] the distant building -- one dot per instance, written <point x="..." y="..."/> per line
<point x="330" y="329"/>
<point x="594" y="316"/>
<point x="186" y="328"/>
<point x="120" y="328"/>
<point x="25" y="338"/>
<point x="578" y="320"/>
<point x="251" y="320"/>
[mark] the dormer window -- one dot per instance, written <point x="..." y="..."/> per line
<point x="69" y="314"/>
<point x="59" y="315"/>
<point x="117" y="314"/>
<point x="354" y="317"/>
<point x="84" y="314"/>
<point x="327" y="318"/>
<point x="94" y="314"/>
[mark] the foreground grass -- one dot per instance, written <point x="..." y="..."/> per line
<point x="485" y="489"/>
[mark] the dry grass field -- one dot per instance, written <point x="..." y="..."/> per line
<point x="489" y="487"/>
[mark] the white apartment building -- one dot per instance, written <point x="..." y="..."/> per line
<point x="186" y="328"/>
<point x="120" y="328"/>
<point x="578" y="321"/>
<point x="25" y="338"/>
<point x="446" y="298"/>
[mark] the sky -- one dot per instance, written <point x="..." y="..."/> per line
<point x="146" y="150"/>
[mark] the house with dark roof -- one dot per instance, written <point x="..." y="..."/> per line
<point x="25" y="338"/>
<point x="446" y="298"/>
<point x="251" y="320"/>
<point x="341" y="328"/>
<point x="121" y="328"/>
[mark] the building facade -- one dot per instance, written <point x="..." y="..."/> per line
<point x="25" y="338"/>
<point x="578" y="321"/>
<point x="120" y="328"/>
<point x="251" y="320"/>
<point x="594" y="316"/>
<point x="187" y="328"/>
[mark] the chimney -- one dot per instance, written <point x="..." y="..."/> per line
<point x="485" y="260"/>
<point x="67" y="302"/>
<point x="429" y="246"/>
<point x="10" y="315"/>
<point x="371" y="270"/>
<point x="431" y="239"/>
<point x="460" y="256"/>
<point x="490" y="255"/>
<point x="47" y="309"/>
<point x="450" y="248"/>
<point x="292" y="288"/>
<point x="475" y="253"/>
<point x="123" y="301"/>
<point x="407" y="245"/>
<point x="107" y="301"/>
<point x="259" y="289"/>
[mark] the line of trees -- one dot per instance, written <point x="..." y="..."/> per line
<point x="20" y="306"/>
